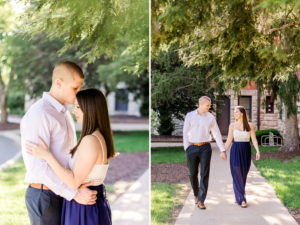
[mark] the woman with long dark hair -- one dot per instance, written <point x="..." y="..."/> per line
<point x="89" y="161"/>
<point x="240" y="153"/>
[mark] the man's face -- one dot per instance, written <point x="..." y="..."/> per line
<point x="70" y="87"/>
<point x="204" y="105"/>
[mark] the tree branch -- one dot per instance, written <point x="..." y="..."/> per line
<point x="283" y="27"/>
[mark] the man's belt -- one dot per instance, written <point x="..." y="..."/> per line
<point x="39" y="186"/>
<point x="199" y="144"/>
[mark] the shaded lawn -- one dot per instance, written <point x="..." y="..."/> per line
<point x="130" y="141"/>
<point x="163" y="201"/>
<point x="168" y="155"/>
<point x="285" y="177"/>
<point x="266" y="149"/>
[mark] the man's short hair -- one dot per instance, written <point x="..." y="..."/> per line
<point x="73" y="67"/>
<point x="204" y="98"/>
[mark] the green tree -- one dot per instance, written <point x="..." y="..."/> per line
<point x="98" y="27"/>
<point x="175" y="89"/>
<point x="7" y="25"/>
<point x="249" y="40"/>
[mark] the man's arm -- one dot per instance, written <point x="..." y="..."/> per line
<point x="186" y="127"/>
<point x="33" y="127"/>
<point x="217" y="135"/>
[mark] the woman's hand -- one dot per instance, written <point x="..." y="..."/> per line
<point x="257" y="155"/>
<point x="38" y="151"/>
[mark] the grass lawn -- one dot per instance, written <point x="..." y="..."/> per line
<point x="266" y="149"/>
<point x="163" y="200"/>
<point x="12" y="195"/>
<point x="168" y="155"/>
<point x="164" y="197"/>
<point x="130" y="141"/>
<point x="285" y="177"/>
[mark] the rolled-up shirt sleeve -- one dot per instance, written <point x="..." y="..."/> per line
<point x="186" y="127"/>
<point x="217" y="135"/>
<point x="37" y="170"/>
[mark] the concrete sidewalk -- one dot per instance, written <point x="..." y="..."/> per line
<point x="264" y="208"/>
<point x="132" y="208"/>
<point x="10" y="148"/>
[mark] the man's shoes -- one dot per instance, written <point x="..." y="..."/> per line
<point x="201" y="205"/>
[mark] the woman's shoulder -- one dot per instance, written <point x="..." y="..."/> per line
<point x="251" y="126"/>
<point x="89" y="143"/>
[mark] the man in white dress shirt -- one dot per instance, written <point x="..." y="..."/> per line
<point x="49" y="119"/>
<point x="198" y="125"/>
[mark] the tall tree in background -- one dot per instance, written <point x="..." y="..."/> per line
<point x="175" y="89"/>
<point x="249" y="40"/>
<point x="99" y="27"/>
<point x="7" y="25"/>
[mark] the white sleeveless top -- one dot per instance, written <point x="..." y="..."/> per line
<point x="98" y="173"/>
<point x="241" y="136"/>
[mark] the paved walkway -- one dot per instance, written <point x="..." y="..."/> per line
<point x="132" y="208"/>
<point x="10" y="148"/>
<point x="264" y="208"/>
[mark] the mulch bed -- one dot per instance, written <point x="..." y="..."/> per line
<point x="283" y="156"/>
<point x="9" y="126"/>
<point x="127" y="167"/>
<point x="176" y="173"/>
<point x="296" y="214"/>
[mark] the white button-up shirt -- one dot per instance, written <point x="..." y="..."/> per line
<point x="51" y="121"/>
<point x="197" y="128"/>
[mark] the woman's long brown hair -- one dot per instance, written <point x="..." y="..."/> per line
<point x="246" y="125"/>
<point x="95" y="116"/>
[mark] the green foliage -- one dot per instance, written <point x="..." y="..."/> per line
<point x="15" y="102"/>
<point x="166" y="125"/>
<point x="249" y="40"/>
<point x="260" y="133"/>
<point x="97" y="27"/>
<point x="175" y="88"/>
<point x="289" y="93"/>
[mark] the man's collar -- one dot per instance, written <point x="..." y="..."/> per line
<point x="56" y="104"/>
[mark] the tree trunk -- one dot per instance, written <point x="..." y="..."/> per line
<point x="291" y="140"/>
<point x="3" y="92"/>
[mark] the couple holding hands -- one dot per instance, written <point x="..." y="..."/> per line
<point x="196" y="139"/>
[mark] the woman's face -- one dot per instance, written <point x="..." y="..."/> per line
<point x="78" y="112"/>
<point x="237" y="114"/>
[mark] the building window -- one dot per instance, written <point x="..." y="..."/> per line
<point x="269" y="105"/>
<point x="246" y="102"/>
<point x="121" y="100"/>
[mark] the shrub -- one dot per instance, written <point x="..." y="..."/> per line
<point x="260" y="133"/>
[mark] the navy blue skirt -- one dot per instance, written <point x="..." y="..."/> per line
<point x="74" y="213"/>
<point x="240" y="162"/>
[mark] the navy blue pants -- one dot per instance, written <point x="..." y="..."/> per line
<point x="196" y="155"/>
<point x="43" y="206"/>
<point x="240" y="162"/>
